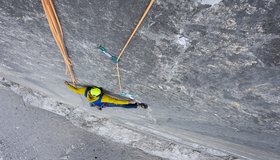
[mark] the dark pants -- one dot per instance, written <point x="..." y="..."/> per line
<point x="120" y="105"/>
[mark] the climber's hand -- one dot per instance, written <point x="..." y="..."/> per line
<point x="99" y="108"/>
<point x="66" y="83"/>
<point x="132" y="101"/>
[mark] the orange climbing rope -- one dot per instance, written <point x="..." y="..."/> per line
<point x="58" y="35"/>
<point x="129" y="39"/>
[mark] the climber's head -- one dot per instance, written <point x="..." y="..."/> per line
<point x="95" y="92"/>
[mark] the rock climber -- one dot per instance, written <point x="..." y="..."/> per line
<point x="100" y="100"/>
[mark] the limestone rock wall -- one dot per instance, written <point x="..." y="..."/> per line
<point x="206" y="68"/>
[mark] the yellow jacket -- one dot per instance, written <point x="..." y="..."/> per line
<point x="105" y="97"/>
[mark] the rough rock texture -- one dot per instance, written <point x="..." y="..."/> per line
<point x="24" y="113"/>
<point x="27" y="132"/>
<point x="211" y="69"/>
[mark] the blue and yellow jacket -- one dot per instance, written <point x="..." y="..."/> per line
<point x="103" y="99"/>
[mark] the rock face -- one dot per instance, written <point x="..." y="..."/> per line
<point x="212" y="69"/>
<point x="31" y="133"/>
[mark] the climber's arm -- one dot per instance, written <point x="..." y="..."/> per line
<point x="108" y="99"/>
<point x="76" y="90"/>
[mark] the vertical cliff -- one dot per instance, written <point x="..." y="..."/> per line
<point x="208" y="67"/>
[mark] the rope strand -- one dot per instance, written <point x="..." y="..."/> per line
<point x="56" y="29"/>
<point x="129" y="39"/>
<point x="57" y="33"/>
<point x="136" y="28"/>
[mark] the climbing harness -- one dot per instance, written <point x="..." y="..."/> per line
<point x="58" y="36"/>
<point x="98" y="102"/>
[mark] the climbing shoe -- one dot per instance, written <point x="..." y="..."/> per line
<point x="142" y="105"/>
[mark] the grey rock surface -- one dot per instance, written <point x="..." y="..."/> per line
<point x="27" y="132"/>
<point x="210" y="69"/>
